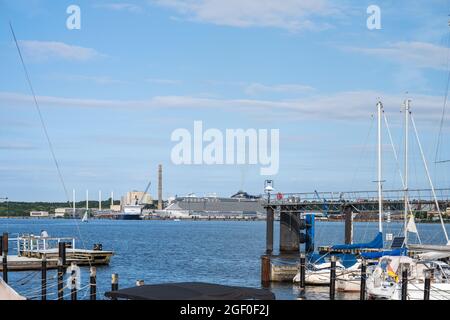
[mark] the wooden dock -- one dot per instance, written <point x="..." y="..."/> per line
<point x="31" y="250"/>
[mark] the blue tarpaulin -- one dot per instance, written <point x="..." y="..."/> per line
<point x="376" y="243"/>
<point x="379" y="254"/>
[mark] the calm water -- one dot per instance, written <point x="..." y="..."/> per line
<point x="220" y="252"/>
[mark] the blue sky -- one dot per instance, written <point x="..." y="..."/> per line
<point x="113" y="92"/>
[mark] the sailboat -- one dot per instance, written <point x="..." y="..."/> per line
<point x="86" y="213"/>
<point x="384" y="281"/>
<point x="320" y="273"/>
<point x="85" y="217"/>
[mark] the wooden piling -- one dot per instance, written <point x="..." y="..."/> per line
<point x="44" y="277"/>
<point x="93" y="283"/>
<point x="333" y="278"/>
<point x="348" y="225"/>
<point x="61" y="264"/>
<point x="302" y="270"/>
<point x="73" y="293"/>
<point x="362" y="292"/>
<point x="5" y="256"/>
<point x="427" y="288"/>
<point x="269" y="230"/>
<point x="404" y="282"/>
<point x="114" y="283"/>
<point x="265" y="270"/>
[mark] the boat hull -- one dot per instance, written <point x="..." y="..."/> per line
<point x="128" y="217"/>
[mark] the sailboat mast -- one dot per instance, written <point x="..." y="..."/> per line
<point x="87" y="201"/>
<point x="380" y="187"/>
<point x="73" y="197"/>
<point x="405" y="210"/>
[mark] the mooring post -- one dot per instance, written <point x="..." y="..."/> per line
<point x="93" y="283"/>
<point x="362" y="292"/>
<point x="302" y="270"/>
<point x="73" y="277"/>
<point x="265" y="270"/>
<point x="348" y="225"/>
<point x="426" y="291"/>
<point x="5" y="256"/>
<point x="44" y="277"/>
<point x="333" y="278"/>
<point x="269" y="230"/>
<point x="61" y="264"/>
<point x="114" y="283"/>
<point x="404" y="282"/>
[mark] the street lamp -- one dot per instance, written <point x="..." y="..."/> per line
<point x="268" y="188"/>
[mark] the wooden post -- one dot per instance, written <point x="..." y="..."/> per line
<point x="61" y="264"/>
<point x="74" y="285"/>
<point x="362" y="292"/>
<point x="302" y="270"/>
<point x="5" y="256"/>
<point x="427" y="288"/>
<point x="114" y="282"/>
<point x="269" y="230"/>
<point x="93" y="283"/>
<point x="348" y="225"/>
<point x="405" y="282"/>
<point x="44" y="277"/>
<point x="265" y="270"/>
<point x="333" y="278"/>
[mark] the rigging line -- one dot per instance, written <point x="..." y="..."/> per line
<point x="444" y="107"/>
<point x="363" y="151"/>
<point x="45" y="128"/>
<point x="40" y="113"/>
<point x="429" y="179"/>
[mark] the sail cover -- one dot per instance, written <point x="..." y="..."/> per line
<point x="379" y="254"/>
<point x="376" y="243"/>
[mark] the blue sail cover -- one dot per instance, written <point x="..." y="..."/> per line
<point x="376" y="243"/>
<point x="379" y="254"/>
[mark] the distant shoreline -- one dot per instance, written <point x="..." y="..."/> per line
<point x="446" y="221"/>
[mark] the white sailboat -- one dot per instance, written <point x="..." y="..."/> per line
<point x="319" y="274"/>
<point x="384" y="282"/>
<point x="86" y="213"/>
<point x="85" y="217"/>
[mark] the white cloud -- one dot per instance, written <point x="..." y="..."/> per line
<point x="101" y="80"/>
<point x="292" y="15"/>
<point x="120" y="6"/>
<point x="257" y="88"/>
<point x="46" y="50"/>
<point x="349" y="105"/>
<point x="418" y="54"/>
<point x="163" y="81"/>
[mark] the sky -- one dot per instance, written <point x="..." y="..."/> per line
<point x="112" y="92"/>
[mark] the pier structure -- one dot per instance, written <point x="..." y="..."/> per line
<point x="293" y="208"/>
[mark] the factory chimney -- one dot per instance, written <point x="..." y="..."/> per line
<point x="160" y="201"/>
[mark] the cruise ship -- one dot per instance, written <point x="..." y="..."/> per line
<point x="239" y="206"/>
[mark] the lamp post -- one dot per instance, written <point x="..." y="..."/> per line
<point x="268" y="188"/>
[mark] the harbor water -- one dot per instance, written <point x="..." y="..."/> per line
<point x="160" y="251"/>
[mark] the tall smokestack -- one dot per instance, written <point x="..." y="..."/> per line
<point x="160" y="201"/>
